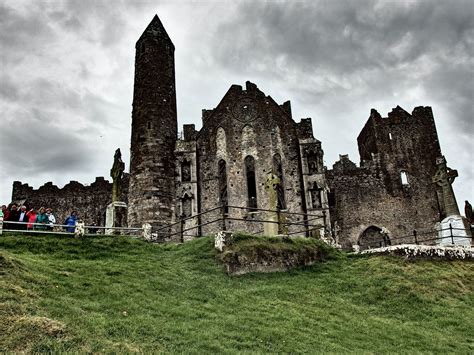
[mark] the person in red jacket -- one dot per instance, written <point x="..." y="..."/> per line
<point x="6" y="212"/>
<point x="31" y="218"/>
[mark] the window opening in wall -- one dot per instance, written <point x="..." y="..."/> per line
<point x="390" y="135"/>
<point x="222" y="173"/>
<point x="278" y="171"/>
<point x="315" y="194"/>
<point x="186" y="207"/>
<point x="404" y="178"/>
<point x="185" y="171"/>
<point x="251" y="184"/>
<point x="149" y="125"/>
<point x="312" y="161"/>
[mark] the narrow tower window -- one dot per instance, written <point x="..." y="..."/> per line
<point x="148" y="125"/>
<point x="404" y="178"/>
<point x="222" y="174"/>
<point x="315" y="193"/>
<point x="278" y="171"/>
<point x="312" y="161"/>
<point x="390" y="136"/>
<point x="185" y="171"/>
<point x="251" y="183"/>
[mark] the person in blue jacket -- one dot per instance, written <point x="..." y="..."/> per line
<point x="71" y="222"/>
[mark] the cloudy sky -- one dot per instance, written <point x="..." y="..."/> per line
<point x="66" y="78"/>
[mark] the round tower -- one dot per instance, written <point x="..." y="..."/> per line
<point x="154" y="129"/>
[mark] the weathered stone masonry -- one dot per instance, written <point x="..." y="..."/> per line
<point x="244" y="138"/>
<point x="89" y="201"/>
<point x="393" y="187"/>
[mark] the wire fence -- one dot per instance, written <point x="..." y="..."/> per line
<point x="450" y="235"/>
<point x="252" y="220"/>
<point x="256" y="221"/>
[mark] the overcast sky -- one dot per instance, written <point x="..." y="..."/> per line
<point x="66" y="79"/>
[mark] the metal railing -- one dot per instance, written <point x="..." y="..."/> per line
<point x="219" y="218"/>
<point x="63" y="229"/>
<point x="421" y="237"/>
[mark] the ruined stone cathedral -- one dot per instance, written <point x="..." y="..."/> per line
<point x="243" y="140"/>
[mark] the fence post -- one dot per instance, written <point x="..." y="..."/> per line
<point x="146" y="231"/>
<point x="414" y="234"/>
<point x="223" y="217"/>
<point x="1" y="225"/>
<point x="79" y="230"/>
<point x="451" y="232"/>
<point x="181" y="226"/>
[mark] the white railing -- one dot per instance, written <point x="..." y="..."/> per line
<point x="78" y="230"/>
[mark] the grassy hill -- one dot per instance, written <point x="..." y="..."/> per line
<point x="118" y="294"/>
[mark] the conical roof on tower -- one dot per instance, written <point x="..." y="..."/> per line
<point x="156" y="29"/>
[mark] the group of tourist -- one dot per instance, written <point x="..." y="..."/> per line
<point x="42" y="219"/>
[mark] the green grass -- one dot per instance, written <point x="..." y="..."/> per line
<point x="121" y="295"/>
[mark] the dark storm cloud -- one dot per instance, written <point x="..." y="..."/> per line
<point x="31" y="145"/>
<point x="340" y="47"/>
<point x="8" y="89"/>
<point x="67" y="70"/>
<point x="20" y="31"/>
<point x="343" y="36"/>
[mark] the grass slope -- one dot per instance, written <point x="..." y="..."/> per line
<point x="118" y="294"/>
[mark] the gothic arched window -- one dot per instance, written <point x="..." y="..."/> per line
<point x="251" y="183"/>
<point x="222" y="175"/>
<point x="186" y="207"/>
<point x="278" y="171"/>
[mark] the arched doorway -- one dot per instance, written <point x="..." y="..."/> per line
<point x="373" y="237"/>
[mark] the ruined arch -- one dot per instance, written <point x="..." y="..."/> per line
<point x="373" y="237"/>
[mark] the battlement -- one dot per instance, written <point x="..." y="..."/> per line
<point x="399" y="115"/>
<point x="400" y="128"/>
<point x="286" y="106"/>
<point x="305" y="128"/>
<point x="189" y="132"/>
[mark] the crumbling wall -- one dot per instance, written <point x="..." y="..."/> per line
<point x="248" y="123"/>
<point x="89" y="201"/>
<point x="393" y="186"/>
<point x="186" y="184"/>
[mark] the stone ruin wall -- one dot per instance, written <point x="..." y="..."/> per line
<point x="373" y="195"/>
<point x="89" y="201"/>
<point x="360" y="200"/>
<point x="230" y="135"/>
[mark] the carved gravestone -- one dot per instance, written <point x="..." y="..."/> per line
<point x="117" y="210"/>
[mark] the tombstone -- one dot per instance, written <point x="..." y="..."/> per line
<point x="117" y="210"/>
<point x="452" y="229"/>
<point x="270" y="227"/>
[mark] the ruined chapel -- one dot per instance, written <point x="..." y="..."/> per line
<point x="245" y="139"/>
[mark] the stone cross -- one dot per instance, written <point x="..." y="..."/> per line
<point x="116" y="173"/>
<point x="271" y="185"/>
<point x="444" y="178"/>
<point x="271" y="226"/>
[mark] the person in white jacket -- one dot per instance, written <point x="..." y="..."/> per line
<point x="51" y="218"/>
